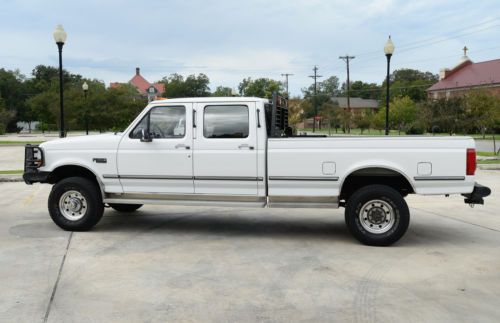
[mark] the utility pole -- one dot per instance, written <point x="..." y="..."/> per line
<point x="286" y="75"/>
<point x="315" y="77"/>
<point x="346" y="59"/>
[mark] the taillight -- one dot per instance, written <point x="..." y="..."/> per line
<point x="471" y="161"/>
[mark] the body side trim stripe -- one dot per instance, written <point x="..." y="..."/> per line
<point x="439" y="178"/>
<point x="173" y="177"/>
<point x="303" y="178"/>
<point x="228" y="178"/>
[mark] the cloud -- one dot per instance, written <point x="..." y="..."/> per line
<point x="229" y="39"/>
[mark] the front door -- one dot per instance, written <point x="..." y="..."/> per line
<point x="225" y="149"/>
<point x="165" y="164"/>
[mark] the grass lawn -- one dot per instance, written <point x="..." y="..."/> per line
<point x="489" y="161"/>
<point x="486" y="154"/>
<point x="11" y="172"/>
<point x="9" y="142"/>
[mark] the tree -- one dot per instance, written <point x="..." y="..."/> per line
<point x="325" y="90"/>
<point x="332" y="114"/>
<point x="261" y="87"/>
<point x="295" y="111"/>
<point x="448" y="115"/>
<point x="363" y="120"/>
<point x="5" y="117"/>
<point x="13" y="92"/>
<point x="118" y="107"/>
<point x="378" y="121"/>
<point x="409" y="82"/>
<point x="481" y="107"/>
<point x="223" y="91"/>
<point x="45" y="106"/>
<point x="360" y="89"/>
<point x="193" y="86"/>
<point x="402" y="113"/>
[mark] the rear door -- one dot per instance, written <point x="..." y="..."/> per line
<point x="225" y="151"/>
<point x="164" y="165"/>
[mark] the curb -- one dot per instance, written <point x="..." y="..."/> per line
<point x="11" y="178"/>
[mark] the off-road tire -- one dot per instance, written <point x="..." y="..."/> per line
<point x="77" y="191"/>
<point x="389" y="215"/>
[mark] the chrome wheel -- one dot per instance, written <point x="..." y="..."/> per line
<point x="377" y="216"/>
<point x="73" y="205"/>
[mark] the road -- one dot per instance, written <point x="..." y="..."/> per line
<point x="275" y="265"/>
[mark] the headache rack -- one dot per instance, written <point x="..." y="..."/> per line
<point x="279" y="117"/>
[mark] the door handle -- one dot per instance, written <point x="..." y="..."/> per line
<point x="245" y="146"/>
<point x="182" y="146"/>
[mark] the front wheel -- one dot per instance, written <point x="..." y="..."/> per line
<point x="75" y="204"/>
<point x="377" y="215"/>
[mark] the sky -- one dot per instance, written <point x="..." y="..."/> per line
<point x="229" y="40"/>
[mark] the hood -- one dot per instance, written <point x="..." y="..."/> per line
<point x="94" y="142"/>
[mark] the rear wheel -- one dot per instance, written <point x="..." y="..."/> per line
<point x="125" y="207"/>
<point x="377" y="215"/>
<point x="75" y="204"/>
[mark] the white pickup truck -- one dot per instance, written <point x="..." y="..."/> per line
<point x="240" y="151"/>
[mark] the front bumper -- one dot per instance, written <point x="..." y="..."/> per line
<point x="35" y="177"/>
<point x="476" y="197"/>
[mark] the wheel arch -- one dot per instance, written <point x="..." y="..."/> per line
<point x="72" y="170"/>
<point x="389" y="175"/>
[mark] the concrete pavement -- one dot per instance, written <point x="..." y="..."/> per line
<point x="245" y="265"/>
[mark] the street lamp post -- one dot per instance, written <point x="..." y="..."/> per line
<point x="85" y="88"/>
<point x="388" y="50"/>
<point x="60" y="38"/>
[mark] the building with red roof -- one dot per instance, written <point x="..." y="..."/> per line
<point x="152" y="90"/>
<point x="466" y="76"/>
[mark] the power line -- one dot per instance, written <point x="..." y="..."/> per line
<point x="434" y="38"/>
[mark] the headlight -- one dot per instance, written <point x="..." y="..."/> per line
<point x="33" y="157"/>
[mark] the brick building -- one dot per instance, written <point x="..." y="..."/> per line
<point x="152" y="90"/>
<point x="358" y="105"/>
<point x="465" y="76"/>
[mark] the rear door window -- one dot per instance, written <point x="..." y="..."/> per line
<point x="225" y="121"/>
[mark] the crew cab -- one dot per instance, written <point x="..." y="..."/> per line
<point x="240" y="151"/>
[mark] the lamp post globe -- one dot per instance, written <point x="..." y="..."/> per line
<point x="59" y="34"/>
<point x="389" y="46"/>
<point x="60" y="38"/>
<point x="388" y="50"/>
<point x="85" y="87"/>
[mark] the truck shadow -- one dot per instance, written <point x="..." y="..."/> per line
<point x="242" y="224"/>
<point x="228" y="225"/>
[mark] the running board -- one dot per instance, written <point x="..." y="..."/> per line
<point x="315" y="202"/>
<point x="223" y="200"/>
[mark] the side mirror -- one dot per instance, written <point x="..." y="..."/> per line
<point x="145" y="137"/>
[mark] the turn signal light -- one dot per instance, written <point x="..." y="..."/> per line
<point x="471" y="161"/>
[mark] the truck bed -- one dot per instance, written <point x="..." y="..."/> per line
<point x="301" y="166"/>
